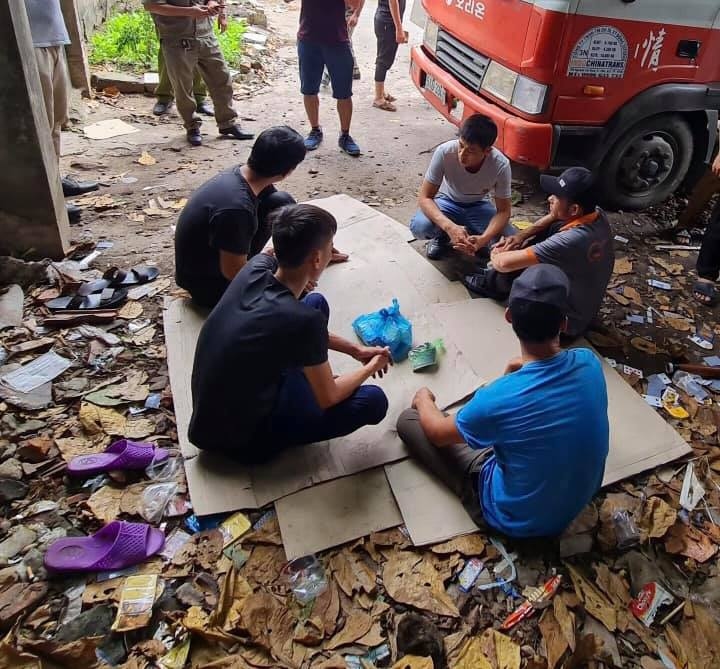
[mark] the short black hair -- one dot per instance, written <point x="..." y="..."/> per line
<point x="298" y="230"/>
<point x="588" y="201"/>
<point x="534" y="321"/>
<point x="480" y="130"/>
<point x="277" y="151"/>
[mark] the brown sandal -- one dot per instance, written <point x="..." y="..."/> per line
<point x="385" y="105"/>
<point x="390" y="98"/>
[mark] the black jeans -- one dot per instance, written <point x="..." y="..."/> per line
<point x="708" y="262"/>
<point x="458" y="467"/>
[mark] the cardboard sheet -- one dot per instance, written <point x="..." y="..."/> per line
<point x="336" y="512"/>
<point x="218" y="485"/>
<point x="113" y="127"/>
<point x="352" y="288"/>
<point x="430" y="510"/>
<point x="11" y="306"/>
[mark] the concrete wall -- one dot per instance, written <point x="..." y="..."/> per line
<point x="92" y="13"/>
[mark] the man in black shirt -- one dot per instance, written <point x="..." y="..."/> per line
<point x="261" y="378"/>
<point x="225" y="221"/>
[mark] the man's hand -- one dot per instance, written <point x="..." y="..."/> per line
<point x="199" y="11"/>
<point x="471" y="245"/>
<point x="458" y="235"/>
<point x="213" y="7"/>
<point x="366" y="353"/>
<point x="338" y="256"/>
<point x="512" y="242"/>
<point x="716" y="166"/>
<point x="378" y="364"/>
<point x="401" y="36"/>
<point x="513" y="365"/>
<point x="423" y="395"/>
<point x="222" y="22"/>
<point x="353" y="20"/>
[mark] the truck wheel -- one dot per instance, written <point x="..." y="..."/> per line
<point x="648" y="163"/>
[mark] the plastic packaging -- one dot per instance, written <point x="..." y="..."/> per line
<point x="626" y="532"/>
<point x="386" y="327"/>
<point x="165" y="470"/>
<point x="155" y="499"/>
<point x="306" y="578"/>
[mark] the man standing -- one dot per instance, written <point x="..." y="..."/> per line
<point x="453" y="198"/>
<point x="50" y="35"/>
<point x="323" y="41"/>
<point x="164" y="92"/>
<point x="575" y="236"/>
<point x="188" y="43"/>
<point x="528" y="451"/>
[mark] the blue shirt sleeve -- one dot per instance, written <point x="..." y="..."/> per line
<point x="475" y="422"/>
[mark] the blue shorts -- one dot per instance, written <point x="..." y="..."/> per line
<point x="315" y="57"/>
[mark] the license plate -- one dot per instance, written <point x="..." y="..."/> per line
<point x="458" y="111"/>
<point x="435" y="87"/>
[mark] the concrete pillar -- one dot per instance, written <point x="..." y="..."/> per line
<point x="33" y="219"/>
<point x="76" y="52"/>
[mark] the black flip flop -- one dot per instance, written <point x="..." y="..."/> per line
<point x="108" y="298"/>
<point x="707" y="289"/>
<point x="477" y="283"/>
<point x="133" y="277"/>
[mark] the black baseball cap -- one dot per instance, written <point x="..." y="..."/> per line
<point x="573" y="184"/>
<point x="546" y="284"/>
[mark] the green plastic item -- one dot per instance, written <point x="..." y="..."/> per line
<point x="425" y="355"/>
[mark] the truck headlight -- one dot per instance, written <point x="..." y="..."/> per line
<point x="500" y="81"/>
<point x="529" y="95"/>
<point x="430" y="37"/>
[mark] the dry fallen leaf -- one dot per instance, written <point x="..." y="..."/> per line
<point x="413" y="662"/>
<point x="595" y="603"/>
<point x="146" y="159"/>
<point x="96" y="420"/>
<point x="264" y="564"/>
<point x="623" y="266"/>
<point x="696" y="642"/>
<point x="105" y="503"/>
<point x="501" y="650"/>
<point x="352" y="573"/>
<point x="357" y="625"/>
<point x="679" y="324"/>
<point x="553" y="637"/>
<point x="130" y="310"/>
<point x="469" y="545"/>
<point x="411" y="579"/>
<point x="656" y="518"/>
<point x="686" y="540"/>
<point x="644" y="345"/>
<point x="566" y="620"/>
<point x="71" y="447"/>
<point x="327" y="608"/>
<point x="631" y="294"/>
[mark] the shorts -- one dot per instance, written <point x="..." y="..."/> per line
<point x="314" y="58"/>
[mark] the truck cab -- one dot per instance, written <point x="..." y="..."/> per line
<point x="627" y="88"/>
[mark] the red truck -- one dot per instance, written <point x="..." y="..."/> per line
<point x="628" y="88"/>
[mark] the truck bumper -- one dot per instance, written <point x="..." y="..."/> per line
<point x="520" y="140"/>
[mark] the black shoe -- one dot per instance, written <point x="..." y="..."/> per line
<point x="73" y="211"/>
<point x="194" y="137"/>
<point x="475" y="283"/>
<point x="437" y="247"/>
<point x="236" y="132"/>
<point x="72" y="187"/>
<point x="205" y="107"/>
<point x="161" y="108"/>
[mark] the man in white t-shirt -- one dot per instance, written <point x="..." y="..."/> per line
<point x="455" y="210"/>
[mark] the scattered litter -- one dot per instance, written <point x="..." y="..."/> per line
<point x="108" y="128"/>
<point x="136" y="602"/>
<point x="626" y="532"/>
<point x="621" y="239"/>
<point x="662" y="285"/>
<point x="41" y="370"/>
<point x="701" y="342"/>
<point x="645" y="606"/>
<point x="692" y="490"/>
<point x="146" y="159"/>
<point x="632" y="371"/>
<point x="537" y="598"/>
<point x="233" y="528"/>
<point x="306" y="578"/>
<point x="469" y="574"/>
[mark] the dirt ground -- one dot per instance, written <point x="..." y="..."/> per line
<point x="396" y="146"/>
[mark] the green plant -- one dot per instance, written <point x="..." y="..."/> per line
<point x="129" y="39"/>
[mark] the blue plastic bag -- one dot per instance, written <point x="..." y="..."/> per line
<point x="387" y="327"/>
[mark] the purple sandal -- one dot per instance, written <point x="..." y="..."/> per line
<point x="116" y="546"/>
<point x="121" y="455"/>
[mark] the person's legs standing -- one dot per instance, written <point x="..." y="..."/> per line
<point x="708" y="262"/>
<point x="338" y="59"/>
<point x="311" y="64"/>
<point x="387" y="47"/>
<point x="181" y="60"/>
<point x="52" y="69"/>
<point x="164" y="91"/>
<point x="214" y="71"/>
<point x="456" y="466"/>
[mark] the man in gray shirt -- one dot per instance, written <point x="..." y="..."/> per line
<point x="575" y="236"/>
<point x="453" y="199"/>
<point x="50" y="36"/>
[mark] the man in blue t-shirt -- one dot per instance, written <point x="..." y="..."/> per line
<point x="535" y="440"/>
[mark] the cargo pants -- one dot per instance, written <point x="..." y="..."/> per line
<point x="164" y="90"/>
<point x="182" y="58"/>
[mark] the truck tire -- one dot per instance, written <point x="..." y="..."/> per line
<point x="647" y="164"/>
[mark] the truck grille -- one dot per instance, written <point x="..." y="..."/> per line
<point x="459" y="59"/>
